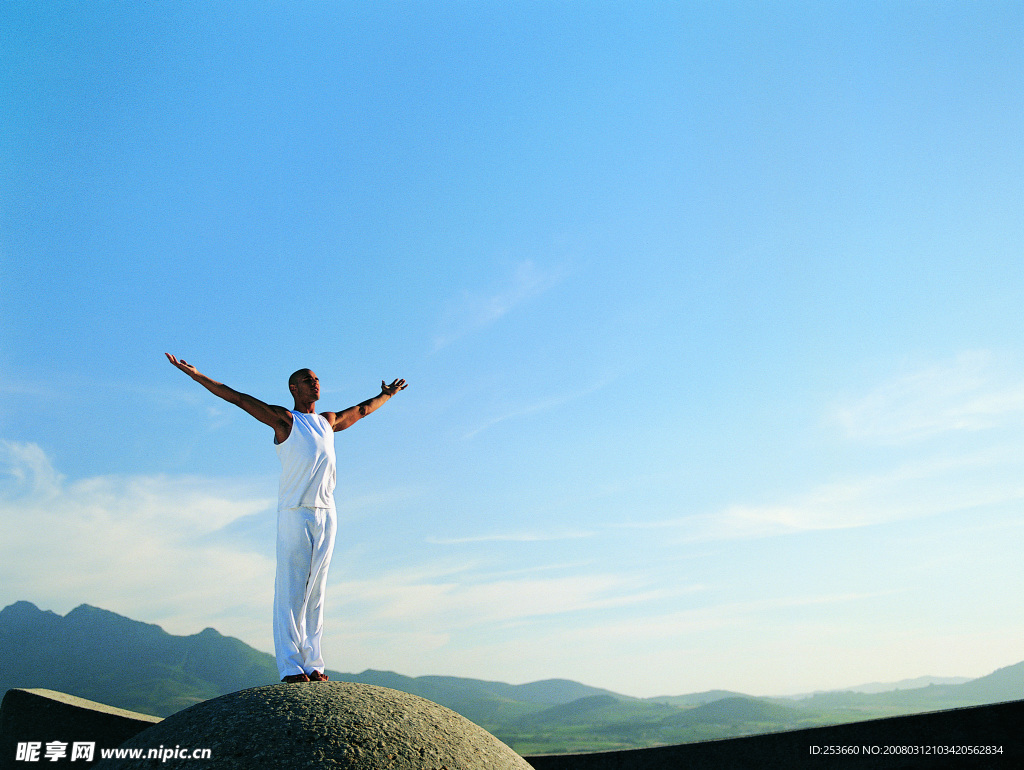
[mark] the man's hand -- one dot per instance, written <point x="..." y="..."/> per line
<point x="185" y="366"/>
<point x="389" y="390"/>
<point x="349" y="417"/>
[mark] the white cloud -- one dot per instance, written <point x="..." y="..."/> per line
<point x="30" y="470"/>
<point x="143" y="546"/>
<point x="969" y="393"/>
<point x="159" y="549"/>
<point x="154" y="548"/>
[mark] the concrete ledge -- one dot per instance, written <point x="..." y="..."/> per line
<point x="47" y="715"/>
<point x="1000" y="725"/>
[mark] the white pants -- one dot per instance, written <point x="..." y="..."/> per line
<point x="305" y="542"/>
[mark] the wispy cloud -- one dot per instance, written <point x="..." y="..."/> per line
<point x="746" y="614"/>
<point x="418" y="623"/>
<point x="470" y="597"/>
<point x="536" y="407"/>
<point x="523" y="411"/>
<point x="968" y="393"/>
<point x="13" y="393"/>
<point x="913" y="490"/>
<point x="476" y="310"/>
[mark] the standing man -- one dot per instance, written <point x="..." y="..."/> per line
<point x="306" y="519"/>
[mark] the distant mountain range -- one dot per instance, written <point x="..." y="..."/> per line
<point x="105" y="657"/>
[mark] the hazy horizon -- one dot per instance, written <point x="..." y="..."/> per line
<point x="916" y="682"/>
<point x="710" y="314"/>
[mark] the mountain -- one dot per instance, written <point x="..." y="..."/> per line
<point x="1001" y="685"/>
<point x="488" y="704"/>
<point x="696" y="699"/>
<point x="1004" y="684"/>
<point x="907" y="684"/>
<point x="105" y="657"/>
<point x="735" y="711"/>
<point x="102" y="656"/>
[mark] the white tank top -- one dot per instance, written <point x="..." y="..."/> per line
<point x="308" y="467"/>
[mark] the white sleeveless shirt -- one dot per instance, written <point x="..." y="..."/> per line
<point x="308" y="466"/>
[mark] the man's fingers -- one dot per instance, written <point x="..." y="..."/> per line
<point x="184" y="365"/>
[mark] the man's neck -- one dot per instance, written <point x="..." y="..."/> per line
<point x="305" y="408"/>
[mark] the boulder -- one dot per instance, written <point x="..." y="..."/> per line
<point x="319" y="724"/>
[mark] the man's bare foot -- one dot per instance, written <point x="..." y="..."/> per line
<point x="295" y="678"/>
<point x="316" y="676"/>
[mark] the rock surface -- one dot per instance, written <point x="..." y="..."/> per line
<point x="324" y="724"/>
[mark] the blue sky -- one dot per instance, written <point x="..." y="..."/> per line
<point x="710" y="314"/>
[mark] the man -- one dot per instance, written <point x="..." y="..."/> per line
<point x="306" y="519"/>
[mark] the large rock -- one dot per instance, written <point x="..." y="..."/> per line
<point x="323" y="724"/>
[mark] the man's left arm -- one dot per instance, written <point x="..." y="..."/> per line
<point x="349" y="417"/>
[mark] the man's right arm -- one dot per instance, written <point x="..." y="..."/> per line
<point x="277" y="417"/>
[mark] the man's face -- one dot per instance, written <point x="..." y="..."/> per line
<point x="307" y="386"/>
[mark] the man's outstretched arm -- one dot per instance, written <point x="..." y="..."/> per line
<point x="352" y="415"/>
<point x="277" y="417"/>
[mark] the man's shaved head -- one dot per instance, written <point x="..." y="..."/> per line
<point x="296" y="376"/>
